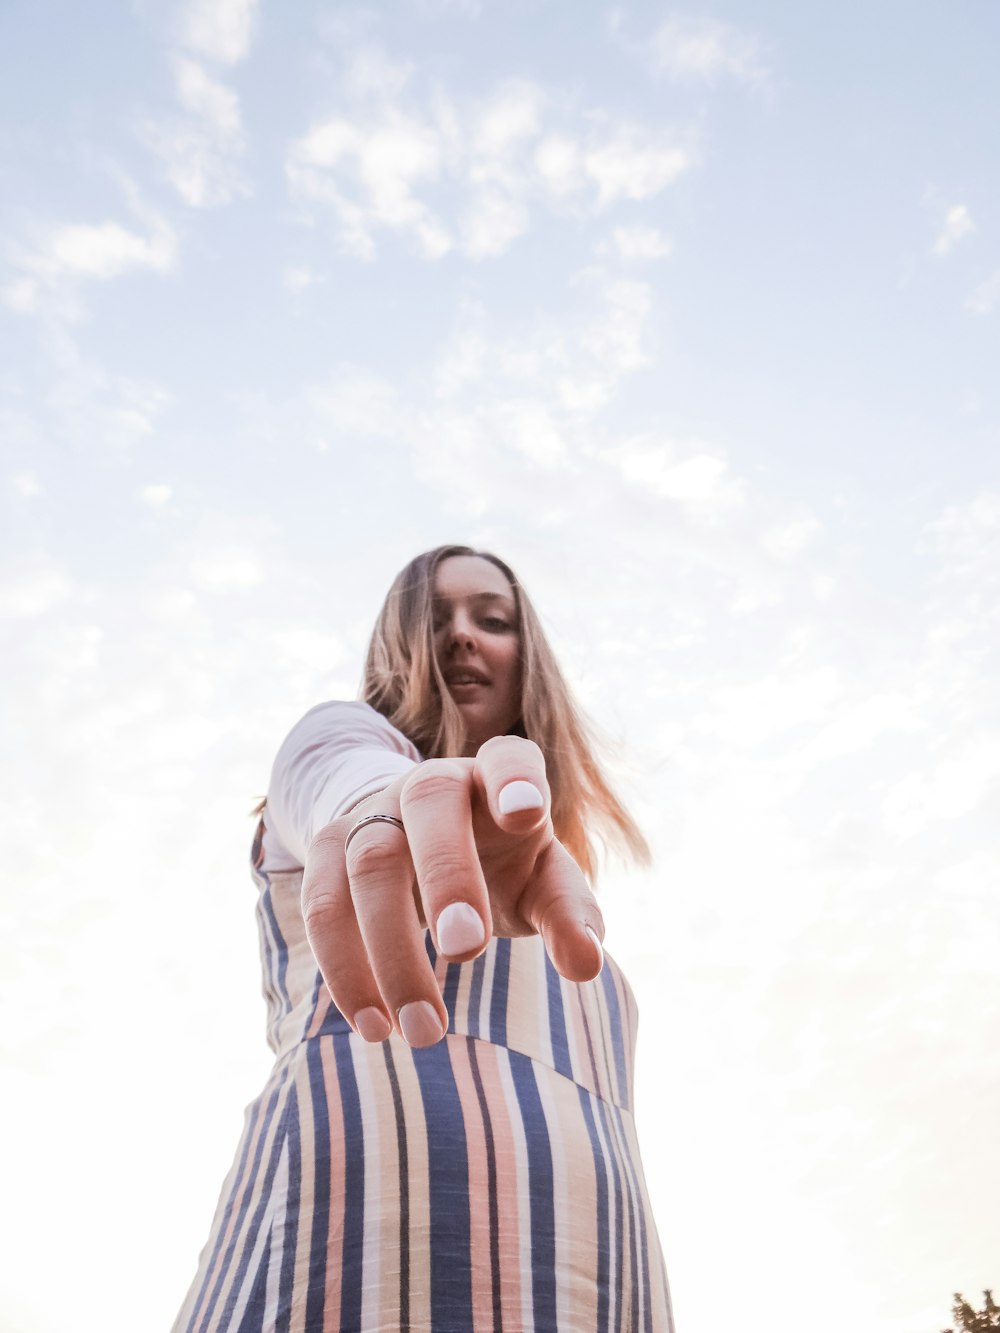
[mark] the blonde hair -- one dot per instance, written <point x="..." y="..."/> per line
<point x="403" y="681"/>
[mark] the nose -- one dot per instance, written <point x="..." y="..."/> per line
<point x="460" y="632"/>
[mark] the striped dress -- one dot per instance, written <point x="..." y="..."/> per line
<point x="490" y="1182"/>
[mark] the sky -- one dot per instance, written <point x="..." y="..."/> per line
<point x="692" y="315"/>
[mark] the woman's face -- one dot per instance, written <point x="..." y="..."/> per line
<point x="477" y="640"/>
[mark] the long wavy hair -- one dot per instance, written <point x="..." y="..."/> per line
<point x="403" y="681"/>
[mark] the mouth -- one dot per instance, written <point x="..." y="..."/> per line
<point x="456" y="679"/>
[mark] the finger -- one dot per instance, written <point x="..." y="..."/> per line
<point x="380" y="870"/>
<point x="560" y="905"/>
<point x="332" y="931"/>
<point x="436" y="801"/>
<point x="509" y="773"/>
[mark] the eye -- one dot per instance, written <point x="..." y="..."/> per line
<point x="494" y="622"/>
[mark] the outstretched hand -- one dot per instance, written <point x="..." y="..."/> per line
<point x="477" y="857"/>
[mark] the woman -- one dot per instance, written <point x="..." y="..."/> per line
<point x="446" y="1140"/>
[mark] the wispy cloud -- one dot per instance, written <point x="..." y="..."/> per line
<point x="62" y="255"/>
<point x="637" y="243"/>
<point x="706" y="50"/>
<point x="200" y="150"/>
<point x="986" y="296"/>
<point x="221" y="30"/>
<point x="956" y="226"/>
<point x="489" y="164"/>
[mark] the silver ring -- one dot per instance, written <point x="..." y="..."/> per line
<point x="372" y="819"/>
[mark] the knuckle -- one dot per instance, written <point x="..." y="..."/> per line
<point x="371" y="856"/>
<point x="321" y="907"/>
<point x="434" y="777"/>
<point x="518" y="748"/>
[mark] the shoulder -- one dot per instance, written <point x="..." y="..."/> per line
<point x="347" y="723"/>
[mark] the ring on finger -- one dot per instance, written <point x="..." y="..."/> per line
<point x="373" y="819"/>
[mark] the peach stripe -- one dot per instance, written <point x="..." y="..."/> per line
<point x="478" y="1187"/>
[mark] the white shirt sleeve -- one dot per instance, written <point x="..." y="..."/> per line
<point x="337" y="754"/>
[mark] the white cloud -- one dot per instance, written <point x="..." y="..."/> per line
<point x="220" y="29"/>
<point x="634" y="163"/>
<point x="488" y="163"/>
<point x="32" y="584"/>
<point x="206" y="97"/>
<point x="691" y="474"/>
<point x="200" y="151"/>
<point x="707" y="49"/>
<point x="790" y="539"/>
<point x="510" y="118"/>
<point x="225" y="569"/>
<point x="156" y="495"/>
<point x="957" y="225"/>
<point x="558" y="160"/>
<point x="26" y="484"/>
<point x="107" y="249"/>
<point x="491" y="224"/>
<point x="297" y="277"/>
<point x="70" y="252"/>
<point x="388" y="159"/>
<point x="637" y="243"/>
<point x="616" y="340"/>
<point x="986" y="295"/>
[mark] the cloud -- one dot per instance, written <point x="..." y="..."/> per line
<point x="485" y="166"/>
<point x="206" y="97"/>
<point x="31" y="585"/>
<point x="693" y="49"/>
<point x="200" y="151"/>
<point x="957" y="225"/>
<point x="67" y="253"/>
<point x="690" y="474"/>
<point x="156" y="495"/>
<point x="222" y="30"/>
<point x="636" y="243"/>
<point x="986" y="296"/>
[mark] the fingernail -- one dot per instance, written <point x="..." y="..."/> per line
<point x="459" y="929"/>
<point x="420" y="1024"/>
<point x="372" y="1024"/>
<point x="600" y="947"/>
<point x="520" y="795"/>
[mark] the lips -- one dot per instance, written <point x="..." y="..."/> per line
<point x="465" y="676"/>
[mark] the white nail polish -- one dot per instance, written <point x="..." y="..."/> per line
<point x="520" y="795"/>
<point x="459" y="929"/>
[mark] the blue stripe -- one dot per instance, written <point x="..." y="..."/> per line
<point x="619" y="1209"/>
<point x="253" y="1315"/>
<point x="267" y="907"/>
<point x="448" y="1176"/>
<point x="286" y="1278"/>
<point x="254" y="1170"/>
<point x="613" y="1115"/>
<point x="353" y="1252"/>
<point x="498" y="994"/>
<point x="603" y="1236"/>
<point x="557" y="1021"/>
<point x="220" y="1231"/>
<point x="540" y="1192"/>
<point x="450" y="992"/>
<point x="316" y="1291"/>
<point x="617" y="1035"/>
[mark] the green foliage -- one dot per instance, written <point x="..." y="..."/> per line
<point x="968" y="1320"/>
